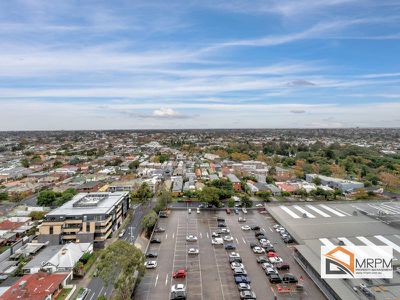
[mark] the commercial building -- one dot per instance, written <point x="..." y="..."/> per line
<point x="336" y="183"/>
<point x="87" y="218"/>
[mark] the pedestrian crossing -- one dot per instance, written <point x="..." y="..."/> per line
<point x="373" y="241"/>
<point x="313" y="211"/>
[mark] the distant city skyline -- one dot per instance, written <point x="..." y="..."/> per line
<point x="71" y="65"/>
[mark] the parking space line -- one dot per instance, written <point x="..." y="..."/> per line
<point x="155" y="284"/>
<point x="244" y="241"/>
<point x="166" y="279"/>
<point x="219" y="275"/>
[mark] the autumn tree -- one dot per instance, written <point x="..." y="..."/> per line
<point x="390" y="180"/>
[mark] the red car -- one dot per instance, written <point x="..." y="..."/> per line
<point x="272" y="254"/>
<point x="228" y="211"/>
<point x="181" y="273"/>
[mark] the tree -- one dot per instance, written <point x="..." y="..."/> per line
<point x="246" y="201"/>
<point x="265" y="195"/>
<point x="57" y="164"/>
<point x="210" y="195"/>
<point x="163" y="200"/>
<point x="118" y="264"/>
<point x="149" y="220"/>
<point x="134" y="165"/>
<point x="46" y="198"/>
<point x="3" y="196"/>
<point x="389" y="180"/>
<point x="143" y="193"/>
<point x="316" y="180"/>
<point x="231" y="203"/>
<point x="25" y="163"/>
<point x="37" y="215"/>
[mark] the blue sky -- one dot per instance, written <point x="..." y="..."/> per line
<point x="199" y="64"/>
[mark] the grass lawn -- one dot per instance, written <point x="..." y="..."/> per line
<point x="64" y="293"/>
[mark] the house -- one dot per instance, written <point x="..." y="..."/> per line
<point x="177" y="186"/>
<point x="58" y="258"/>
<point x="287" y="186"/>
<point x="235" y="182"/>
<point x="265" y="187"/>
<point x="39" y="286"/>
<point x="283" y="174"/>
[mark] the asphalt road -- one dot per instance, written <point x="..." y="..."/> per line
<point x="96" y="286"/>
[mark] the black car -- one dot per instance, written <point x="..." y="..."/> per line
<point x="288" y="239"/>
<point x="151" y="254"/>
<point x="269" y="248"/>
<point x="163" y="214"/>
<point x="256" y="234"/>
<point x="282" y="266"/>
<point x="255" y="227"/>
<point x="155" y="241"/>
<point x="275" y="278"/>
<point x="221" y="224"/>
<point x="261" y="236"/>
<point x="235" y="259"/>
<point x="220" y="219"/>
<point x="178" y="295"/>
<point x="159" y="229"/>
<point x="289" y="278"/>
<point x="252" y="245"/>
<point x="230" y="247"/>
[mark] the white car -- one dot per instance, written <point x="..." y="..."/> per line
<point x="246" y="227"/>
<point x="224" y="230"/>
<point x="258" y="250"/>
<point x="276" y="226"/>
<point x="178" y="288"/>
<point x="244" y="210"/>
<point x="234" y="255"/>
<point x="236" y="265"/>
<point x="241" y="219"/>
<point x="122" y="233"/>
<point x="151" y="264"/>
<point x="279" y="229"/>
<point x="193" y="251"/>
<point x="275" y="260"/>
<point x="259" y="205"/>
<point x="217" y="241"/>
<point x="266" y="265"/>
<point x="189" y="210"/>
<point x="198" y="210"/>
<point x="191" y="238"/>
<point x="215" y="234"/>
<point x="228" y="238"/>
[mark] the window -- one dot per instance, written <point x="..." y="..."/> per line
<point x="51" y="230"/>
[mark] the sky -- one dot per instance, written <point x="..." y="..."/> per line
<point x="70" y="65"/>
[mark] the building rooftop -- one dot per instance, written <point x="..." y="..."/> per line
<point x="89" y="203"/>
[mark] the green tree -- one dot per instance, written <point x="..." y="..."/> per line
<point x="231" y="203"/>
<point x="149" y="220"/>
<point x="265" y="195"/>
<point x="143" y="193"/>
<point x="57" y="164"/>
<point x="118" y="264"/>
<point x="46" y="198"/>
<point x="316" y="180"/>
<point x="37" y="215"/>
<point x="210" y="195"/>
<point x="134" y="165"/>
<point x="3" y="196"/>
<point x="246" y="201"/>
<point x="164" y="198"/>
<point x="25" y="163"/>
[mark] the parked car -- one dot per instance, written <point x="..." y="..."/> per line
<point x="191" y="238"/>
<point x="151" y="264"/>
<point x="244" y="286"/>
<point x="198" y="210"/>
<point x="258" y="250"/>
<point x="256" y="234"/>
<point x="239" y="271"/>
<point x="262" y="259"/>
<point x="272" y="254"/>
<point x="217" y="241"/>
<point x="236" y="265"/>
<point x="220" y="219"/>
<point x="242" y="279"/>
<point x="178" y="295"/>
<point x="247" y="295"/>
<point x="236" y="211"/>
<point x="244" y="210"/>
<point x="228" y="211"/>
<point x="241" y="219"/>
<point x="266" y="265"/>
<point x="163" y="214"/>
<point x="189" y="210"/>
<point x="230" y="246"/>
<point x="235" y="259"/>
<point x="270" y="271"/>
<point x="181" y="273"/>
<point x="228" y="238"/>
<point x="193" y="251"/>
<point x="121" y="234"/>
<point x="155" y="241"/>
<point x="234" y="255"/>
<point x="221" y="224"/>
<point x="261" y="237"/>
<point x="289" y="278"/>
<point x="159" y="229"/>
<point x="275" y="278"/>
<point x="151" y="254"/>
<point x="178" y="287"/>
<point x="255" y="227"/>
<point x="224" y="231"/>
<point x="275" y="260"/>
<point x="246" y="227"/>
<point x="253" y="245"/>
<point x="282" y="266"/>
<point x="215" y="234"/>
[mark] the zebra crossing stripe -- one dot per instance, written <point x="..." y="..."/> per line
<point x="332" y="210"/>
<point x="388" y="242"/>
<point x="318" y="211"/>
<point x="326" y="242"/>
<point x="300" y="209"/>
<point x="291" y="213"/>
<point x="369" y="243"/>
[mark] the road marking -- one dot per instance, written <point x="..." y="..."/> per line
<point x="318" y="211"/>
<point x="302" y="210"/>
<point x="199" y="262"/>
<point x="173" y="235"/>
<point x="343" y="212"/>
<point x="326" y="242"/>
<point x="369" y="243"/>
<point x="237" y="241"/>
<point x="156" y="280"/>
<point x="208" y="235"/>
<point x="201" y="235"/>
<point x="263" y="229"/>
<point x="166" y="279"/>
<point x="270" y="229"/>
<point x="166" y="236"/>
<point x="332" y="210"/>
<point x="388" y="242"/>
<point x="92" y="296"/>
<point x="292" y="214"/>
<point x="218" y="271"/>
<point x="244" y="241"/>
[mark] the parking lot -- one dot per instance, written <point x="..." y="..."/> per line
<point x="209" y="275"/>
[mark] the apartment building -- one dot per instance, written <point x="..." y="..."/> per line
<point x="86" y="218"/>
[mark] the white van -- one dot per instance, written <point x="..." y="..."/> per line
<point x="198" y="210"/>
<point x="189" y="211"/>
<point x="217" y="241"/>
